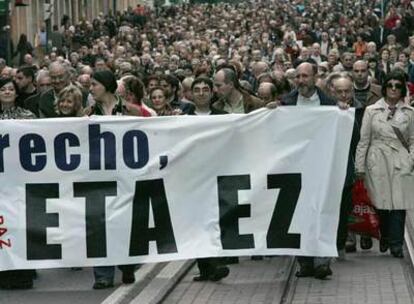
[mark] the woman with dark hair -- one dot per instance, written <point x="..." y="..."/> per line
<point x="23" y="47"/>
<point x="385" y="64"/>
<point x="14" y="279"/>
<point x="377" y="75"/>
<point x="385" y="160"/>
<point x="160" y="104"/>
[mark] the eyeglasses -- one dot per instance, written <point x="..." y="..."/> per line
<point x="396" y="86"/>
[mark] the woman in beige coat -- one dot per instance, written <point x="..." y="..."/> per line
<point x="384" y="161"/>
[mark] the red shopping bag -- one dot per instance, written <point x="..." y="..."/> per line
<point x="363" y="218"/>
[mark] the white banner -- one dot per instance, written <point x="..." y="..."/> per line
<point x="119" y="190"/>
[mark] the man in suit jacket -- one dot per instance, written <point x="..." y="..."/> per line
<point x="308" y="94"/>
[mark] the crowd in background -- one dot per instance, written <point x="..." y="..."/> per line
<point x="223" y="58"/>
<point x="264" y="41"/>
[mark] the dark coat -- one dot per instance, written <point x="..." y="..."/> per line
<point x="291" y="99"/>
<point x="32" y="104"/>
<point x="374" y="94"/>
<point x="379" y="39"/>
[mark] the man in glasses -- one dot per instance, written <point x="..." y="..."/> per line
<point x="60" y="77"/>
<point x="43" y="84"/>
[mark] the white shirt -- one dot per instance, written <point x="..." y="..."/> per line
<point x="201" y="113"/>
<point x="324" y="48"/>
<point x="311" y="101"/>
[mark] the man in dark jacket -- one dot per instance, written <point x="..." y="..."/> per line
<point x="25" y="77"/>
<point x="202" y="89"/>
<point x="365" y="94"/>
<point x="308" y="94"/>
<point x="343" y="89"/>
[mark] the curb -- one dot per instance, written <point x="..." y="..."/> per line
<point x="409" y="237"/>
<point x="409" y="242"/>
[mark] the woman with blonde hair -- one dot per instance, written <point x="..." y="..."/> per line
<point x="70" y="102"/>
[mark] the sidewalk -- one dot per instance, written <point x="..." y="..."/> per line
<point x="365" y="277"/>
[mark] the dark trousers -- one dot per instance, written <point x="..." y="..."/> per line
<point x="346" y="208"/>
<point x="313" y="262"/>
<point x="16" y="278"/>
<point x="392" y="224"/>
<point x="107" y="273"/>
<point x="208" y="266"/>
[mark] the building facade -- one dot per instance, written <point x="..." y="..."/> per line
<point x="28" y="19"/>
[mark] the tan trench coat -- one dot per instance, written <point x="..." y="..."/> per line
<point x="387" y="165"/>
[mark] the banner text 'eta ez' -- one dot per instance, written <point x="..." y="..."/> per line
<point x="121" y="190"/>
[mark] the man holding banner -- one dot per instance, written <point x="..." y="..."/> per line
<point x="202" y="90"/>
<point x="308" y="94"/>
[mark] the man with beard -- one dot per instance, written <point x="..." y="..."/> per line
<point x="308" y="94"/>
<point x="25" y="83"/>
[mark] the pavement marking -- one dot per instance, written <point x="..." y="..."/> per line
<point x="165" y="280"/>
<point x="123" y="292"/>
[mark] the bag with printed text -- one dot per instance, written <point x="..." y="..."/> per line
<point x="363" y="218"/>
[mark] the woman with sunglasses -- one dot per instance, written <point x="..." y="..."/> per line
<point x="385" y="159"/>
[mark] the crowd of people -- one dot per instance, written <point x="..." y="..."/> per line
<point x="209" y="59"/>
